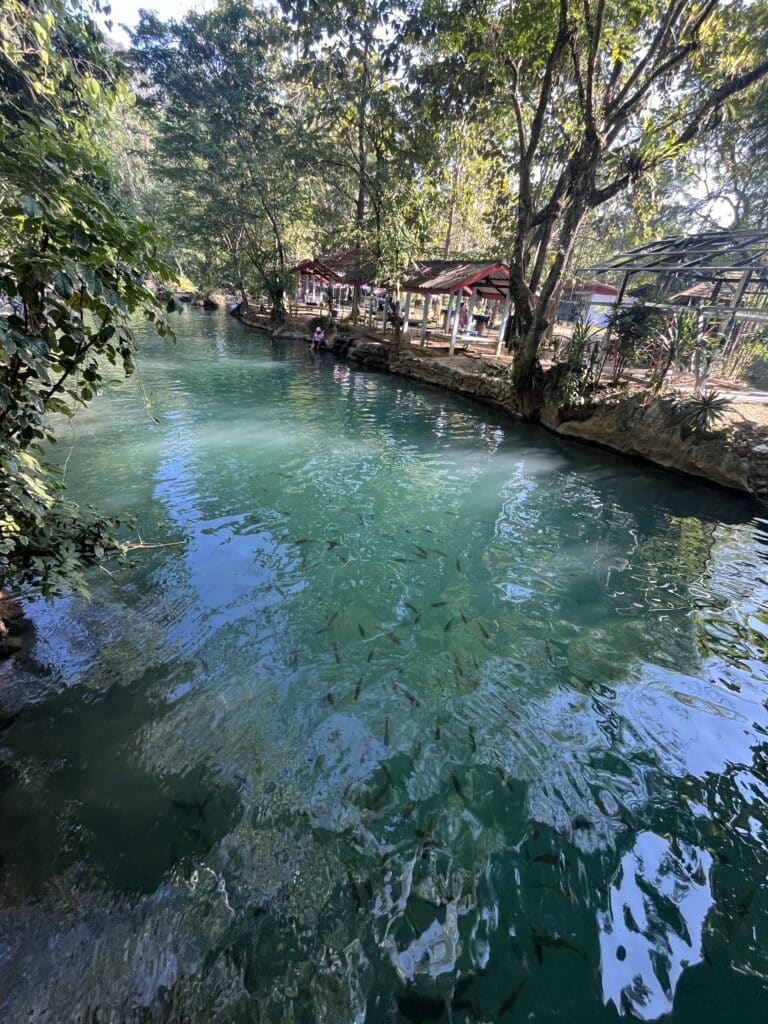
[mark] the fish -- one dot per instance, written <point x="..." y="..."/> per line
<point x="359" y="687"/>
<point x="361" y="631"/>
<point x="472" y="741"/>
<point x="458" y="670"/>
<point x="742" y="907"/>
<point x="361" y="520"/>
<point x="404" y="560"/>
<point x="406" y="693"/>
<point x="353" y="891"/>
<point x="417" y="620"/>
<point x="331" y="620"/>
<point x="370" y="655"/>
<point x="475" y="664"/>
<point x="416" y="753"/>
<point x="438" y="604"/>
<point x="198" y="806"/>
<point x="463" y="618"/>
<point x="547" y="858"/>
<point x="332" y="544"/>
<point x="437" y="730"/>
<point x="336" y="652"/>
<point x="457" y="786"/>
<point x="510" y="1001"/>
<point x="460" y="992"/>
<point x="411" y="608"/>
<point x="483" y="630"/>
<point x="303" y="540"/>
<point x="393" y="638"/>
<point x="541" y="942"/>
<point x="386" y="732"/>
<point x="420" y="551"/>
<point x="346" y="559"/>
<point x="447" y="512"/>
<point x="458" y="566"/>
<point x="448" y="624"/>
<point x="437" y="551"/>
<point x="329" y="697"/>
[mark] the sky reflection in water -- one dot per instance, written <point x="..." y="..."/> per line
<point x="432" y="717"/>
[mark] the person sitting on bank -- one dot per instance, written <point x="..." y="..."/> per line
<point x="318" y="338"/>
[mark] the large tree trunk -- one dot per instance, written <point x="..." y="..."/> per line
<point x="535" y="312"/>
<point x="277" y="295"/>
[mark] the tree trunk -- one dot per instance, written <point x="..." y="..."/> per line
<point x="534" y="318"/>
<point x="277" y="295"/>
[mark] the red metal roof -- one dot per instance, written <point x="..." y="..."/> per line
<point x="447" y="277"/>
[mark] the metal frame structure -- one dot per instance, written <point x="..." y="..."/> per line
<point x="733" y="263"/>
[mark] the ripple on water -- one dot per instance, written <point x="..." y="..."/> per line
<point x="431" y="717"/>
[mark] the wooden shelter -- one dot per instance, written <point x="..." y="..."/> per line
<point x="475" y="279"/>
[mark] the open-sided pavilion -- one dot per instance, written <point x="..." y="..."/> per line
<point x="458" y="279"/>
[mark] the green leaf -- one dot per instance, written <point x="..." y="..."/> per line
<point x="31" y="207"/>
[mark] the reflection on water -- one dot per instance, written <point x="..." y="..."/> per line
<point x="431" y="717"/>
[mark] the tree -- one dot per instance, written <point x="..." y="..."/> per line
<point x="73" y="265"/>
<point x="588" y="97"/>
<point x="227" y="139"/>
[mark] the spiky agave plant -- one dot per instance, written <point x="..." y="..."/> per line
<point x="703" y="410"/>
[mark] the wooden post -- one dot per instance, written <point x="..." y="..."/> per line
<point x="455" y="327"/>
<point x="503" y="327"/>
<point x="425" y="320"/>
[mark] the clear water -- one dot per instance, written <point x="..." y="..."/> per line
<point x="431" y="717"/>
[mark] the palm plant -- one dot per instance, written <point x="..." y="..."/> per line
<point x="703" y="410"/>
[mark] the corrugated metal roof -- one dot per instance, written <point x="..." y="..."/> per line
<point x="450" y="276"/>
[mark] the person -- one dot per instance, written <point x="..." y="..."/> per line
<point x="318" y="338"/>
<point x="463" y="316"/>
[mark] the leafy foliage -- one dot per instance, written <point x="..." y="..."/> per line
<point x="703" y="410"/>
<point x="631" y="328"/>
<point x="73" y="269"/>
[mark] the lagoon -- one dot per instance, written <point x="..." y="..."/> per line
<point x="432" y="716"/>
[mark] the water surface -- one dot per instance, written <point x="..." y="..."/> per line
<point x="432" y="716"/>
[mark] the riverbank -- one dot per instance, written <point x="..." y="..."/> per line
<point x="624" y="420"/>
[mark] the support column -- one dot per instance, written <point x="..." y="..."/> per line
<point x="503" y="328"/>
<point x="455" y="327"/>
<point x="407" y="312"/>
<point x="425" y="320"/>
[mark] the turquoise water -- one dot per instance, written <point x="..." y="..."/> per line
<point x="432" y="716"/>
